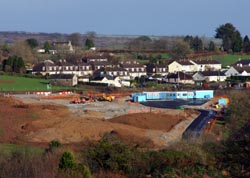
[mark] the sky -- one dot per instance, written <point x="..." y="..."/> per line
<point x="125" y="17"/>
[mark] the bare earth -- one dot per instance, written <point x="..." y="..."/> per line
<point x="27" y="118"/>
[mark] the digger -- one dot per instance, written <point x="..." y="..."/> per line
<point x="108" y="98"/>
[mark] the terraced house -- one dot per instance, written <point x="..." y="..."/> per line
<point x="135" y="70"/>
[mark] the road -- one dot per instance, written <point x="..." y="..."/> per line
<point x="195" y="128"/>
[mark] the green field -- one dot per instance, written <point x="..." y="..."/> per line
<point x="229" y="59"/>
<point x="6" y="149"/>
<point x="15" y="84"/>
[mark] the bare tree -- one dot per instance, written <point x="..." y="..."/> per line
<point x="23" y="50"/>
<point x="76" y="39"/>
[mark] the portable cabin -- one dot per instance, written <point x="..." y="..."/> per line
<point x="152" y="95"/>
<point x="163" y="95"/>
<point x="139" y="97"/>
<point x="203" y="94"/>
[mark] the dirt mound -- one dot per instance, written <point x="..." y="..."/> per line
<point x="160" y="121"/>
<point x="44" y="122"/>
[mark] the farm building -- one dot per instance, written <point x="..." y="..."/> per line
<point x="172" y="95"/>
<point x="64" y="79"/>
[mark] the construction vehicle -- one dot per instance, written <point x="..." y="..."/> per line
<point x="78" y="101"/>
<point x="106" y="98"/>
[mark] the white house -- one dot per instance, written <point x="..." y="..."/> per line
<point x="181" y="66"/>
<point x="243" y="71"/>
<point x="180" y="77"/>
<point x="210" y="76"/>
<point x="107" y="79"/>
<point x="135" y="70"/>
<point x="231" y="72"/>
<point x="204" y="65"/>
<point x="242" y="63"/>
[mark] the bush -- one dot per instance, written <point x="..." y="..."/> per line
<point x="67" y="161"/>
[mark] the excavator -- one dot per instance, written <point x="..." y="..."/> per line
<point x="108" y="98"/>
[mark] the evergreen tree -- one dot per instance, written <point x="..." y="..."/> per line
<point x="47" y="47"/>
<point x="211" y="46"/>
<point x="246" y="44"/>
<point x="231" y="37"/>
<point x="89" y="43"/>
<point x="33" y="43"/>
<point x="237" y="42"/>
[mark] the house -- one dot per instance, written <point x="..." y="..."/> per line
<point x="103" y="64"/>
<point x="157" y="69"/>
<point x="46" y="67"/>
<point x="107" y="79"/>
<point x="62" y="47"/>
<point x="96" y="58"/>
<point x="84" y="79"/>
<point x="181" y="66"/>
<point x="180" y="77"/>
<point x="232" y="71"/>
<point x="62" y="67"/>
<point x="242" y="63"/>
<point x="243" y="71"/>
<point x="63" y="79"/>
<point x="135" y="70"/>
<point x="210" y="76"/>
<point x="205" y="65"/>
<point x="118" y="72"/>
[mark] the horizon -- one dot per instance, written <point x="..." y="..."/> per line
<point x="130" y="18"/>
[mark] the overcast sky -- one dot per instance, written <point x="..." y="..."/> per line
<point x="125" y="17"/>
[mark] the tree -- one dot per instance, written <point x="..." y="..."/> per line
<point x="211" y="46"/>
<point x="33" y="43"/>
<point x="181" y="49"/>
<point x="237" y="42"/>
<point x="142" y="42"/>
<point x="23" y="50"/>
<point x="246" y="44"/>
<point x="47" y="47"/>
<point x="67" y="161"/>
<point x="76" y="39"/>
<point x="14" y="64"/>
<point x="231" y="38"/>
<point x="89" y="43"/>
<point x="197" y="44"/>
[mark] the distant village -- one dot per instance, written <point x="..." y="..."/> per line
<point x="99" y="68"/>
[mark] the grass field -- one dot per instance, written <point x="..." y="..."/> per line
<point x="6" y="149"/>
<point x="229" y="59"/>
<point x="15" y="84"/>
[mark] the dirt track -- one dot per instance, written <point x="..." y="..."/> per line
<point x="56" y="119"/>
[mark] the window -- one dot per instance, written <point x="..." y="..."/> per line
<point x="43" y="69"/>
<point x="132" y="69"/>
<point x="55" y="68"/>
<point x="50" y="68"/>
<point x="67" y="68"/>
<point x="164" y="70"/>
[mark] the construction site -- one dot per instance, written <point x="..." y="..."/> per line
<point x="72" y="118"/>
